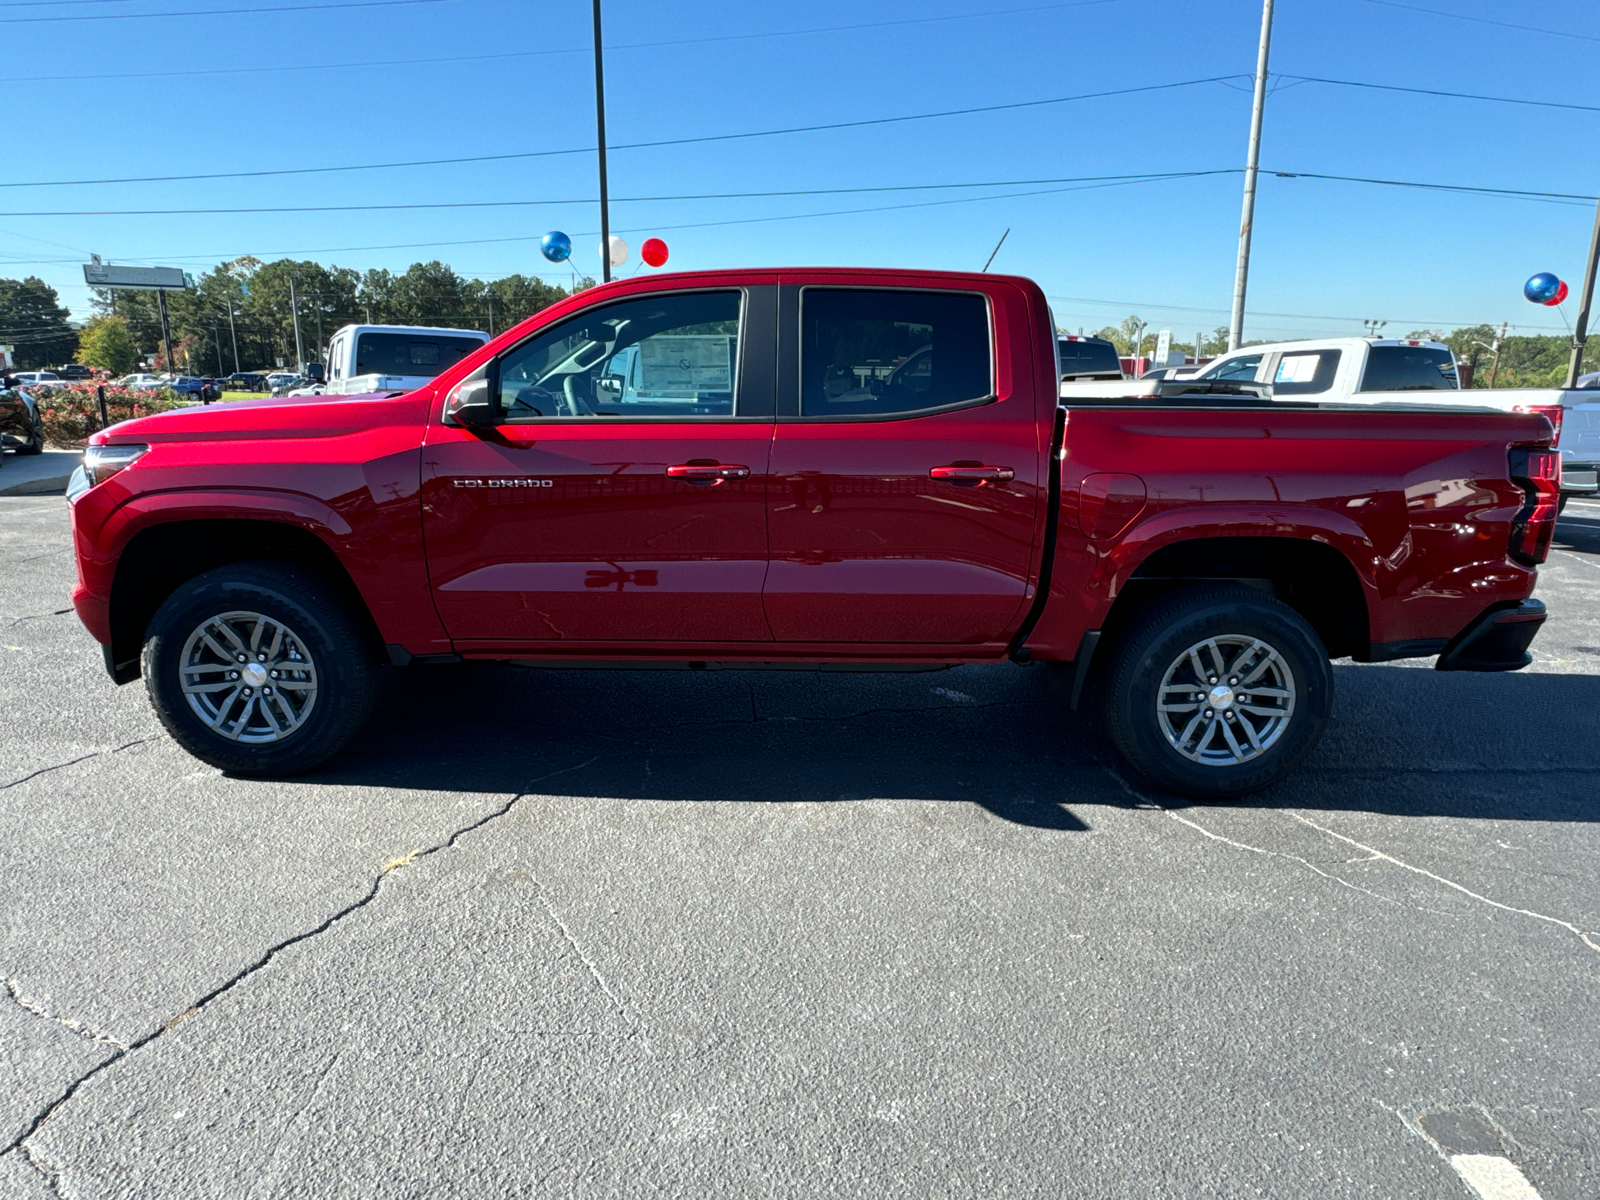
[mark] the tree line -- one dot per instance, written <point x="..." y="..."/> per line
<point x="248" y="303"/>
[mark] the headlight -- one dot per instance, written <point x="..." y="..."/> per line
<point x="100" y="463"/>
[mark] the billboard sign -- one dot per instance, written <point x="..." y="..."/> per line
<point x="102" y="275"/>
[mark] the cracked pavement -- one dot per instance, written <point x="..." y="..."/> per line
<point x="738" y="933"/>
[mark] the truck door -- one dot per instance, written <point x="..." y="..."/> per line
<point x="906" y="466"/>
<point x="613" y="510"/>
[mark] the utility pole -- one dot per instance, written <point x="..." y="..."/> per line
<point x="1242" y="275"/>
<point x="294" y="308"/>
<point x="166" y="332"/>
<point x="1499" y="341"/>
<point x="216" y="336"/>
<point x="233" y="332"/>
<point x="491" y="316"/>
<point x="600" y="128"/>
<point x="1580" y="331"/>
<point x="319" y="325"/>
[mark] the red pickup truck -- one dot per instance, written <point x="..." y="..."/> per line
<point x="798" y="467"/>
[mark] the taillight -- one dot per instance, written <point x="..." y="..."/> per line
<point x="1551" y="412"/>
<point x="1538" y="473"/>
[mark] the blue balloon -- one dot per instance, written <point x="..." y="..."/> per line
<point x="557" y="247"/>
<point x="1542" y="287"/>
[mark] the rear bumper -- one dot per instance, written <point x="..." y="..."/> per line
<point x="1579" y="478"/>
<point x="1496" y="641"/>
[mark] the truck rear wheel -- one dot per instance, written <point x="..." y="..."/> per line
<point x="257" y="668"/>
<point x="1218" y="690"/>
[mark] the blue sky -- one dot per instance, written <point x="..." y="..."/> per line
<point x="1327" y="254"/>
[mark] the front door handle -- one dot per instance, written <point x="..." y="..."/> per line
<point x="707" y="472"/>
<point x="971" y="474"/>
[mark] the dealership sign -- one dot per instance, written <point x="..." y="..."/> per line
<point x="103" y="275"/>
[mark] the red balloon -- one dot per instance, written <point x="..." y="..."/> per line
<point x="1561" y="294"/>
<point x="654" y="252"/>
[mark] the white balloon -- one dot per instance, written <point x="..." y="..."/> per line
<point x="619" y="251"/>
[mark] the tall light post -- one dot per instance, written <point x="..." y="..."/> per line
<point x="600" y="134"/>
<point x="1580" y="331"/>
<point x="1241" y="276"/>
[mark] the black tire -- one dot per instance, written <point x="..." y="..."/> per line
<point x="1156" y="643"/>
<point x="322" y="642"/>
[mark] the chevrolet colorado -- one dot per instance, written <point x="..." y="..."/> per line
<point x="768" y="468"/>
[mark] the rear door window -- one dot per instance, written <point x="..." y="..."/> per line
<point x="1305" y="373"/>
<point x="1408" y="369"/>
<point x="1242" y="368"/>
<point x="871" y="353"/>
<point x="1084" y="358"/>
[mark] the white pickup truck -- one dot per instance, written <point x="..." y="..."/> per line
<point x="391" y="358"/>
<point x="1357" y="370"/>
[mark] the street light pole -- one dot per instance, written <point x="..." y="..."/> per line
<point x="1247" y="220"/>
<point x="233" y="332"/>
<point x="1580" y="331"/>
<point x="600" y="134"/>
<point x="294" y="308"/>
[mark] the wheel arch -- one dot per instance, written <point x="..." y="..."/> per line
<point x="162" y="557"/>
<point x="1314" y="578"/>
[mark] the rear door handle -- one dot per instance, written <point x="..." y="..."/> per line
<point x="972" y="474"/>
<point x="706" y="472"/>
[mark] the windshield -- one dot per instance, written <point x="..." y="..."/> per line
<point x="415" y="354"/>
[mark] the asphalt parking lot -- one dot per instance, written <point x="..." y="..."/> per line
<point x="662" y="933"/>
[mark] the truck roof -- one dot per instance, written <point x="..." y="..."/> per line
<point x="1335" y="343"/>
<point x="434" y="330"/>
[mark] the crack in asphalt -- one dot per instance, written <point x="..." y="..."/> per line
<point x="1584" y="936"/>
<point x="1587" y="937"/>
<point x="79" y="759"/>
<point x="52" y="1179"/>
<point x="60" y="612"/>
<point x="14" y="990"/>
<point x="19" y="1143"/>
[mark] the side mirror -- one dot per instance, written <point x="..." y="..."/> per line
<point x="610" y="383"/>
<point x="475" y="401"/>
<point x="313" y="372"/>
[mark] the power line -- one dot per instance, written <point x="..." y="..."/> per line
<point x="1464" y="189"/>
<point x="215" y="12"/>
<point x="1389" y="87"/>
<point x="732" y="37"/>
<point x="716" y="137"/>
<point x="1511" y="193"/>
<point x="453" y="204"/>
<point x="1434" y="12"/>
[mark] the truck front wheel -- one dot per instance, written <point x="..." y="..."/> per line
<point x="259" y="669"/>
<point x="1218" y="690"/>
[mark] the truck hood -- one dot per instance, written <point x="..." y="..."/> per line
<point x="275" y="417"/>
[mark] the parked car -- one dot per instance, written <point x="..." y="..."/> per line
<point x="246" y="381"/>
<point x="142" y="382"/>
<point x="283" y="384"/>
<point x="1196" y="564"/>
<point x="21" y="423"/>
<point x="36" y="378"/>
<point x="276" y="379"/>
<point x="74" y="371"/>
<point x="187" y="385"/>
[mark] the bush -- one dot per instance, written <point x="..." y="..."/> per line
<point x="71" y="414"/>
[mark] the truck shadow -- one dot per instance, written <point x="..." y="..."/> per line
<point x="1404" y="741"/>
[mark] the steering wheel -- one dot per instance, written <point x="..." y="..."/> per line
<point x="572" y="404"/>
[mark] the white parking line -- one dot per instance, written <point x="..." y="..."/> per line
<point x="1493" y="1177"/>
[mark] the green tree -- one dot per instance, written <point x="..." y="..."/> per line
<point x="32" y="320"/>
<point x="107" y="344"/>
